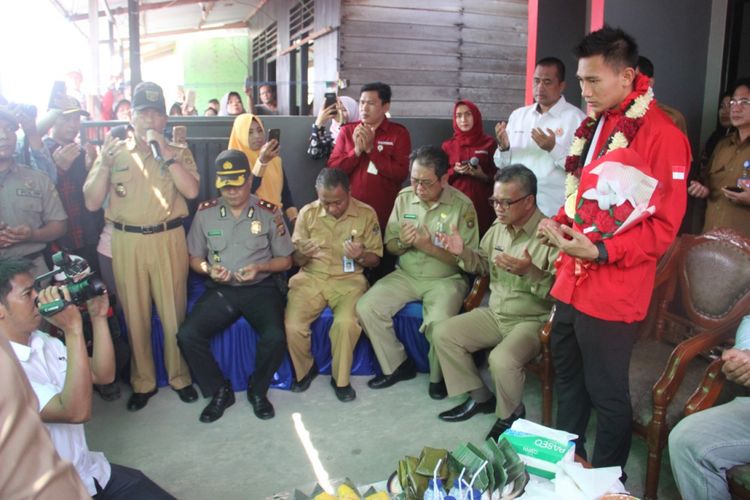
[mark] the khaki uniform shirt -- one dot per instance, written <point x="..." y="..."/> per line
<point x="512" y="295"/>
<point x="724" y="169"/>
<point x="258" y="235"/>
<point x="142" y="192"/>
<point x="316" y="224"/>
<point x="452" y="208"/>
<point x="27" y="197"/>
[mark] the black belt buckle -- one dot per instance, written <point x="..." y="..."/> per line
<point x="149" y="229"/>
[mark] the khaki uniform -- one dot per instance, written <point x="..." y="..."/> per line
<point x="28" y="197"/>
<point x="323" y="282"/>
<point x="440" y="286"/>
<point x="725" y="168"/>
<point x="149" y="265"/>
<point x="517" y="310"/>
<point x="256" y="236"/>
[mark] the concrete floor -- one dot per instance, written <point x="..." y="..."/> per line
<point x="242" y="457"/>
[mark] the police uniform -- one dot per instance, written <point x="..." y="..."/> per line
<point x="28" y="197"/>
<point x="256" y="236"/>
<point x="440" y="286"/>
<point x="327" y="280"/>
<point x="149" y="253"/>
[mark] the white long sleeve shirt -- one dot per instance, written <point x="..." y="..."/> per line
<point x="549" y="167"/>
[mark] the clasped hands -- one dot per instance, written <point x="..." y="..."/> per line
<point x="221" y="274"/>
<point x="454" y="244"/>
<point x="567" y="239"/>
<point x="364" y="137"/>
<point x="545" y="140"/>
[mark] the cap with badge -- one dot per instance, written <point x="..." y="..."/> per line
<point x="7" y="115"/>
<point x="70" y="106"/>
<point x="232" y="169"/>
<point x="148" y="95"/>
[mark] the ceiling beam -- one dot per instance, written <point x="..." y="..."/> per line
<point x="162" y="34"/>
<point x="141" y="8"/>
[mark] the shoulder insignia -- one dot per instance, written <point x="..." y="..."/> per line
<point x="208" y="204"/>
<point x="267" y="205"/>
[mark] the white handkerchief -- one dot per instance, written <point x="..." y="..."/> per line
<point x="372" y="169"/>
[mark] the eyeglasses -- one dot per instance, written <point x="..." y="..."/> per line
<point x="423" y="182"/>
<point x="505" y="204"/>
<point x="740" y="102"/>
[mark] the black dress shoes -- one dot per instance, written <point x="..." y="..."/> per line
<point x="108" y="392"/>
<point x="262" y="407"/>
<point x="187" y="394"/>
<point x="503" y="424"/>
<point x="223" y="399"/>
<point x="438" y="390"/>
<point x="405" y="371"/>
<point x="467" y="409"/>
<point x="345" y="394"/>
<point x="304" y="384"/>
<point x="138" y="400"/>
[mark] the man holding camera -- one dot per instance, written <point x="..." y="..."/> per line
<point x="238" y="241"/>
<point x="32" y="213"/>
<point x="147" y="182"/>
<point x="62" y="375"/>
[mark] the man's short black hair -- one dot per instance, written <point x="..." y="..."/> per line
<point x="617" y="47"/>
<point x="331" y="178"/>
<point x="740" y="82"/>
<point x="431" y="157"/>
<point x="520" y="174"/>
<point x="10" y="267"/>
<point x="270" y="85"/>
<point x="383" y="90"/>
<point x="645" y="66"/>
<point x="557" y="63"/>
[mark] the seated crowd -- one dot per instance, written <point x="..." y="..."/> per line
<point x="508" y="207"/>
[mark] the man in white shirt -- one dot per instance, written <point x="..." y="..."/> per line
<point x="539" y="135"/>
<point x="62" y="376"/>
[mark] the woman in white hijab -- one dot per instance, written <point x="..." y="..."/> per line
<point x="344" y="110"/>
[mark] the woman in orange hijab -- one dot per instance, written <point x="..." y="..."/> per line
<point x="470" y="153"/>
<point x="269" y="182"/>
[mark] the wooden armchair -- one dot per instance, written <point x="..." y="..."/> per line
<point x="706" y="293"/>
<point x="542" y="365"/>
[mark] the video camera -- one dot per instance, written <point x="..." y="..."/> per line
<point x="74" y="273"/>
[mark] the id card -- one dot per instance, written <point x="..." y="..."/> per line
<point x="348" y="265"/>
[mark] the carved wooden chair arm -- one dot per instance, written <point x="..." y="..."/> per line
<point x="708" y="391"/>
<point x="476" y="294"/>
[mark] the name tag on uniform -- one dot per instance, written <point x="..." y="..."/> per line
<point x="481" y="152"/>
<point x="217" y="232"/>
<point x="120" y="168"/>
<point x="29" y="193"/>
<point x="386" y="143"/>
<point x="410" y="216"/>
<point x="372" y="169"/>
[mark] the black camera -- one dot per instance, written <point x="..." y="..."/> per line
<point x="23" y="109"/>
<point x="74" y="273"/>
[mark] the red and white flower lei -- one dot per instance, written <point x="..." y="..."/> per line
<point x="635" y="107"/>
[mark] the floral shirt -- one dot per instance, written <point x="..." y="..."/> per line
<point x="321" y="143"/>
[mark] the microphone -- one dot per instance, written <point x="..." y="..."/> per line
<point x="473" y="162"/>
<point x="154" y="144"/>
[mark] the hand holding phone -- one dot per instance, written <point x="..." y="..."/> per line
<point x="274" y="133"/>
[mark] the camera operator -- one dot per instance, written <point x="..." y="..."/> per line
<point x="62" y="375"/>
<point x="31" y="213"/>
<point x="29" y="148"/>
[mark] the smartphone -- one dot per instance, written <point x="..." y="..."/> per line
<point x="190" y="98"/>
<point x="734" y="189"/>
<point x="57" y="95"/>
<point x="179" y="134"/>
<point x="330" y="99"/>
<point x="275" y="133"/>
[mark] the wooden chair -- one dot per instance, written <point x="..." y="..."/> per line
<point x="541" y="366"/>
<point x="706" y="292"/>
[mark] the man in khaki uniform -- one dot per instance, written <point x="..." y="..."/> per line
<point x="146" y="204"/>
<point x="425" y="271"/>
<point x="521" y="270"/>
<point x="335" y="238"/>
<point x="31" y="213"/>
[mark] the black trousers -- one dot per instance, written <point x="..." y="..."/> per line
<point x="591" y="358"/>
<point x="261" y="304"/>
<point x="126" y="483"/>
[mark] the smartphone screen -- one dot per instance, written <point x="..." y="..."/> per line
<point x="57" y="95"/>
<point x="275" y="133"/>
<point x="733" y="189"/>
<point x="191" y="98"/>
<point x="330" y="99"/>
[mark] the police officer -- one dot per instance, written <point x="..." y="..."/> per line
<point x="146" y="182"/>
<point x="335" y="238"/>
<point x="237" y="240"/>
<point x="31" y="213"/>
<point x="425" y="272"/>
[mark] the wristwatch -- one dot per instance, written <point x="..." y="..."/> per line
<point x="168" y="163"/>
<point x="603" y="255"/>
<point x="400" y="244"/>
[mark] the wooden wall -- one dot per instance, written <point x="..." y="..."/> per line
<point x="435" y="52"/>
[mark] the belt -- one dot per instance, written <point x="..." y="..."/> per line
<point x="158" y="228"/>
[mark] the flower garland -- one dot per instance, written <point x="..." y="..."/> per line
<point x="635" y="107"/>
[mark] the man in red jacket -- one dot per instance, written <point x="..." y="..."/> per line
<point x="604" y="286"/>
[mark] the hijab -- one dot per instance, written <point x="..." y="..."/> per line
<point x="225" y="100"/>
<point x="475" y="136"/>
<point x="272" y="179"/>
<point x="352" y="109"/>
